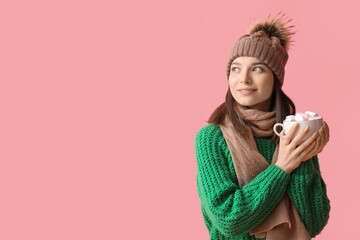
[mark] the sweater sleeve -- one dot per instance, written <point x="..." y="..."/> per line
<point x="233" y="211"/>
<point x="307" y="190"/>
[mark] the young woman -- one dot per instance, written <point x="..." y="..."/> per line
<point x="251" y="183"/>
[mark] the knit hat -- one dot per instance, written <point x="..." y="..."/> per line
<point x="268" y="41"/>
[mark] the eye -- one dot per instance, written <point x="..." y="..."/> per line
<point x="235" y="69"/>
<point x="257" y="69"/>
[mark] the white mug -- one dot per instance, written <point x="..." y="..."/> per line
<point x="315" y="125"/>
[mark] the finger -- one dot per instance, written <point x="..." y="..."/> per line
<point x="282" y="133"/>
<point x="312" y="148"/>
<point x="327" y="132"/>
<point x="309" y="152"/>
<point x="296" y="141"/>
<point x="292" y="131"/>
<point x="307" y="145"/>
<point x="323" y="139"/>
<point x="327" y="126"/>
<point x="283" y="140"/>
<point x="318" y="143"/>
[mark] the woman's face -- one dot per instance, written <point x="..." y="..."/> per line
<point x="251" y="73"/>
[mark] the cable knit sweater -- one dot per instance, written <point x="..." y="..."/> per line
<point x="230" y="212"/>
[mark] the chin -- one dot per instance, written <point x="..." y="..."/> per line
<point x="246" y="104"/>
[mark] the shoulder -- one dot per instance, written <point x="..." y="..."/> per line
<point x="210" y="136"/>
<point x="211" y="149"/>
<point x="210" y="131"/>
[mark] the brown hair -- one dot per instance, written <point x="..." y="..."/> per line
<point x="280" y="102"/>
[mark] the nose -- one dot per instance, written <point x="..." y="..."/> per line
<point x="245" y="77"/>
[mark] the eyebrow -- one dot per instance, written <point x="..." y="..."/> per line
<point x="255" y="63"/>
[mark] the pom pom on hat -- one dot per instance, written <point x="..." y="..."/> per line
<point x="275" y="28"/>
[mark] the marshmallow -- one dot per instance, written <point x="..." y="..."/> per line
<point x="301" y="117"/>
<point x="312" y="118"/>
<point x="290" y="118"/>
<point x="312" y="114"/>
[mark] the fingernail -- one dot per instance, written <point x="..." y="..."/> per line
<point x="306" y="129"/>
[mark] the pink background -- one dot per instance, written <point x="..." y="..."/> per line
<point x="101" y="101"/>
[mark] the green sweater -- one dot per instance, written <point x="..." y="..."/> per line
<point x="230" y="212"/>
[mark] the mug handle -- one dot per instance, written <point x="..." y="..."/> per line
<point x="276" y="132"/>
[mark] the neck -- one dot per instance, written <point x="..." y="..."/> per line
<point x="264" y="106"/>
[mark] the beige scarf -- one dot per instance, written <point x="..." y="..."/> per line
<point x="284" y="222"/>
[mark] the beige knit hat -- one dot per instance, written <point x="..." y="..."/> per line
<point x="268" y="41"/>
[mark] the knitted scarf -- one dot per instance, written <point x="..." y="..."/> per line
<point x="284" y="221"/>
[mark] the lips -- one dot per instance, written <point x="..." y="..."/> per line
<point x="246" y="91"/>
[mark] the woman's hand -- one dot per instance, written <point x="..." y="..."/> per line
<point x="321" y="141"/>
<point x="292" y="153"/>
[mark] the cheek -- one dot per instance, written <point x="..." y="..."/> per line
<point x="232" y="84"/>
<point x="266" y="88"/>
<point x="269" y="88"/>
<point x="231" y="80"/>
